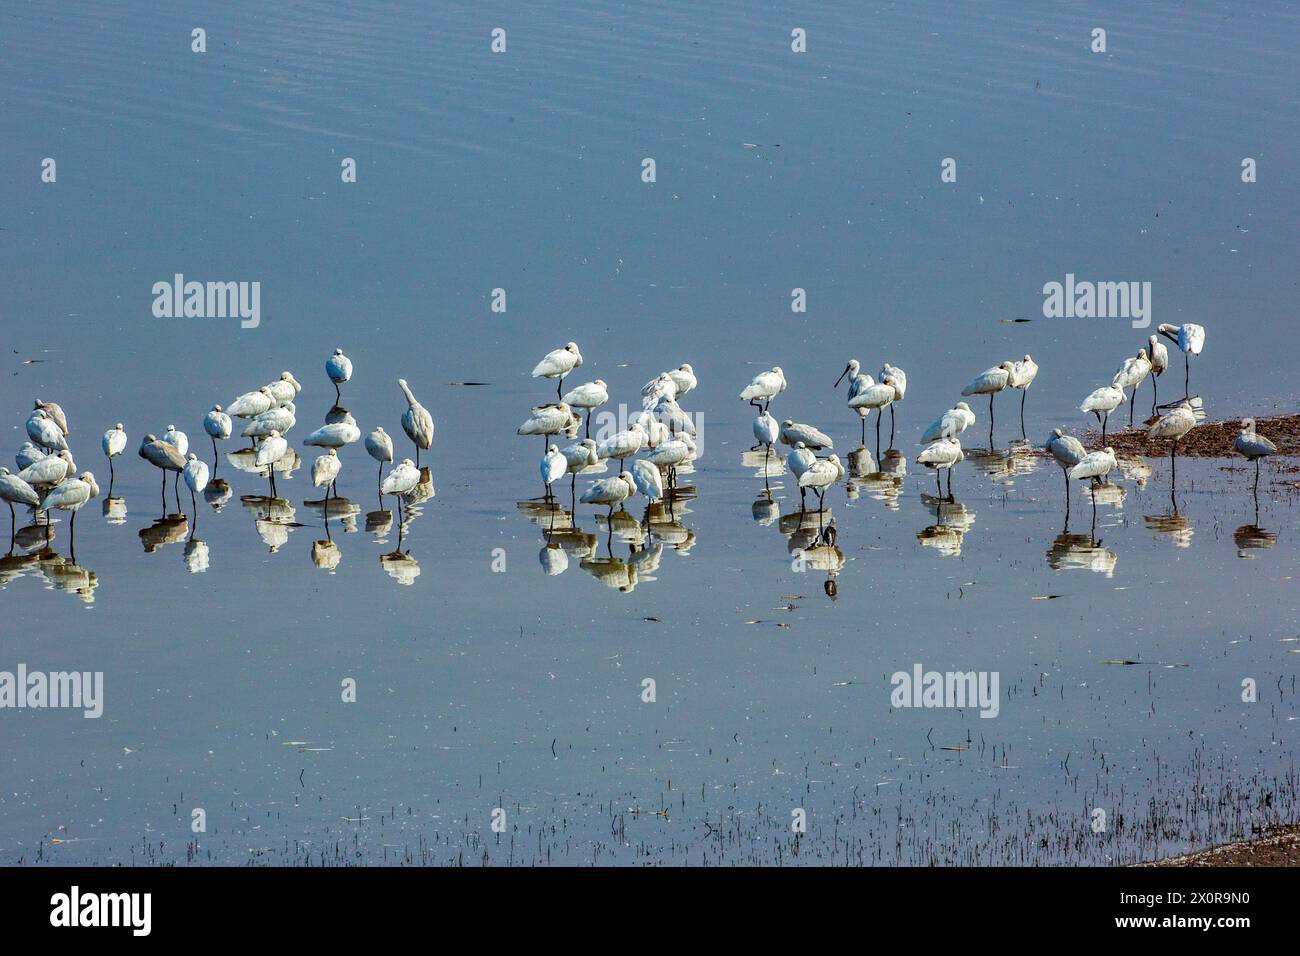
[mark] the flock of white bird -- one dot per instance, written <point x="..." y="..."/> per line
<point x="649" y="448"/>
<point x="48" y="478"/>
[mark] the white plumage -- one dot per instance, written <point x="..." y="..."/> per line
<point x="402" y="479"/>
<point x="271" y="450"/>
<point x="195" y="474"/>
<point x="338" y="367"/>
<point x="547" y="420"/>
<point x="609" y="491"/>
<point x="623" y="444"/>
<point x="335" y="435"/>
<point x="45" y="432"/>
<point x="252" y="404"/>
<point x="792" y="433"/>
<point x="1066" y="449"/>
<point x="647" y="479"/>
<point x="1096" y="464"/>
<point x="766" y="430"/>
<point x="1251" y="444"/>
<point x="990" y="381"/>
<point x="765" y="386"/>
<point x="956" y="420"/>
<point x="114" y="441"/>
<point x="285" y="388"/>
<point x="217" y="424"/>
<point x="587" y="395"/>
<point x="553" y="466"/>
<point x="558" y="363"/>
<point x="325" y="469"/>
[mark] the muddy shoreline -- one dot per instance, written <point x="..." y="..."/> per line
<point x="1206" y="440"/>
<point x="1278" y="846"/>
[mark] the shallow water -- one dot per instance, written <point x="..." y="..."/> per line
<point x="522" y="690"/>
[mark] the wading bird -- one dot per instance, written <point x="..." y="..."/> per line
<point x="280" y="418"/>
<point x="820" y="475"/>
<point x="610" y="492"/>
<point x="1191" y="339"/>
<point x="285" y="388"/>
<point x="45" y="431"/>
<point x="1253" y="445"/>
<point x="1130" y="375"/>
<point x="1022" y="376"/>
<point x="944" y="453"/>
<point x="1096" y="466"/>
<point x="272" y="449"/>
<point x="876" y="395"/>
<point x="218" y="426"/>
<point x="416" y="422"/>
<point x="895" y="376"/>
<point x="623" y="445"/>
<point x="177" y="439"/>
<point x="15" y="491"/>
<point x="792" y="433"/>
<point x="339" y="369"/>
<point x="70" y="495"/>
<point x="401" y="480"/>
<point x="547" y="420"/>
<point x="766" y="431"/>
<point x="558" y="364"/>
<point x="1159" y="358"/>
<point x="671" y="454"/>
<point x="164" y="456"/>
<point x="28" y="455"/>
<point x="990" y="382"/>
<point x="1068" y="452"/>
<point x="553" y="466"/>
<point x="764" y="387"/>
<point x="1174" y="426"/>
<point x="1101" y="403"/>
<point x="380" y="447"/>
<point x="56" y="414"/>
<point x="648" y="481"/>
<point x="334" y="435"/>
<point x="799" y="460"/>
<point x="589" y="396"/>
<point x="325" y="472"/>
<point x="956" y="419"/>
<point x="195" y="474"/>
<point x="252" y="404"/>
<point x="113" y="443"/>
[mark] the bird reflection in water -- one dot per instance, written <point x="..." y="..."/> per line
<point x="882" y="482"/>
<point x="56" y="572"/>
<point x="217" y="493"/>
<point x="952" y="520"/>
<point x="171" y="529"/>
<point x="1018" y="458"/>
<point x="1080" y="552"/>
<point x="114" y="510"/>
<point x="273" y="519"/>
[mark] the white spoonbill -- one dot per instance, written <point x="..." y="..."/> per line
<point x="1130" y="375"/>
<point x="1191" y="339"/>
<point x="56" y="414"/>
<point x="16" y="491"/>
<point x="402" y="479"/>
<point x="195" y="474"/>
<point x="1158" y="355"/>
<point x="45" y="431"/>
<point x="49" y="471"/>
<point x="547" y="420"/>
<point x="1253" y="445"/>
<point x="764" y="387"/>
<point x="895" y="376"/>
<point x="1022" y="376"/>
<point x="858" y="380"/>
<point x="252" y="404"/>
<point x="553" y="467"/>
<point x="875" y="395"/>
<point x="581" y="454"/>
<point x="177" y="439"/>
<point x="339" y="369"/>
<point x="325" y="471"/>
<point x="164" y="456"/>
<point x="792" y="433"/>
<point x="1095" y="465"/>
<point x="661" y="386"/>
<point x="648" y="480"/>
<point x="684" y="377"/>
<point x="285" y="388"/>
<point x="589" y="396"/>
<point x="610" y="491"/>
<point x="671" y="454"/>
<point x="28" y="454"/>
<point x="70" y="495"/>
<point x="280" y="419"/>
<point x="820" y="475"/>
<point x="218" y="426"/>
<point x="380" y="447"/>
<point x="335" y="435"/>
<point x="766" y="430"/>
<point x="1101" y="402"/>
<point x="416" y="421"/>
<point x="941" y="454"/>
<point x="1068" y="452"/>
<point x="669" y="413"/>
<point x="799" y="460"/>
<point x="990" y="382"/>
<point x="113" y="443"/>
<point x="272" y="449"/>
<point x="1174" y="426"/>
<point x="623" y="445"/>
<point x="956" y="419"/>
<point x="558" y="364"/>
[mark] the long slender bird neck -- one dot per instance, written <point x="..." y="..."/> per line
<point x="410" y="399"/>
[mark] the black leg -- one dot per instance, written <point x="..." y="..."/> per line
<point x="1023" y="393"/>
<point x="1187" y="376"/>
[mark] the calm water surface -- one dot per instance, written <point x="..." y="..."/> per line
<point x="523" y="690"/>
